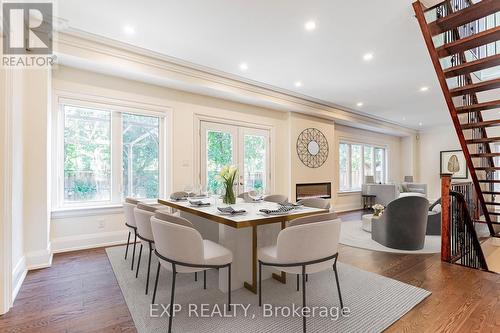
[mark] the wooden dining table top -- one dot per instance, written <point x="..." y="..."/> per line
<point x="252" y="217"/>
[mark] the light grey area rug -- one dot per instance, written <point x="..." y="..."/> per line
<point x="352" y="234"/>
<point x="374" y="301"/>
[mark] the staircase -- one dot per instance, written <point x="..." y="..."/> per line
<point x="462" y="43"/>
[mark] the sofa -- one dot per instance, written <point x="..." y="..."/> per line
<point x="385" y="193"/>
<point x="403" y="224"/>
<point x="434" y="219"/>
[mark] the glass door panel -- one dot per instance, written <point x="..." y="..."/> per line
<point x="218" y="149"/>
<point x="255" y="160"/>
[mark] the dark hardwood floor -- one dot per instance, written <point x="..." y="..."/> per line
<point x="79" y="293"/>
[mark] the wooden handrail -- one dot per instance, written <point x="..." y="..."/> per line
<point x="445" y="217"/>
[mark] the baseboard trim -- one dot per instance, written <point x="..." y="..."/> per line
<point x="18" y="275"/>
<point x="90" y="241"/>
<point x="39" y="259"/>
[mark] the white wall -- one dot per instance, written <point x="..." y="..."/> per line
<point x="350" y="201"/>
<point x="431" y="142"/>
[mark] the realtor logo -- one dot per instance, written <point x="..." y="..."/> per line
<point x="28" y="28"/>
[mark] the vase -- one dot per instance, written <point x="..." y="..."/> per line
<point x="229" y="198"/>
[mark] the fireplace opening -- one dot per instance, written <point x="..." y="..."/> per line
<point x="313" y="190"/>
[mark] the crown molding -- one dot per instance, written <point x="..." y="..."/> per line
<point x="80" y="49"/>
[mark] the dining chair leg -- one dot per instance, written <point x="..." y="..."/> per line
<point x="149" y="266"/>
<point x="303" y="297"/>
<point x="128" y="243"/>
<point x="297" y="282"/>
<point x="338" y="284"/>
<point x="133" y="253"/>
<point x="156" y="283"/>
<point x="229" y="287"/>
<point x="138" y="262"/>
<point x="260" y="283"/>
<point x="205" y="279"/>
<point x="307" y="277"/>
<point x="195" y="276"/>
<point x="171" y="317"/>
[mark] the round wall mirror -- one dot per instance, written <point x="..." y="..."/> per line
<point x="313" y="147"/>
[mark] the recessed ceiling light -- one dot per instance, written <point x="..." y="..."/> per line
<point x="360" y="104"/>
<point x="404" y="118"/>
<point x="423" y="89"/>
<point x="368" y="56"/>
<point x="420" y="124"/>
<point x="128" y="29"/>
<point x="244" y="66"/>
<point x="310" y="25"/>
<point x="298" y="84"/>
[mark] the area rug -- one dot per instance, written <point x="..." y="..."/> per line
<point x="374" y="302"/>
<point x="352" y="234"/>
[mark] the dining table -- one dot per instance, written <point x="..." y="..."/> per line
<point x="241" y="233"/>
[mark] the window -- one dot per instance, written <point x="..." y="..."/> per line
<point x="107" y="155"/>
<point x="357" y="161"/>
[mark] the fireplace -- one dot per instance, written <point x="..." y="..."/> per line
<point x="313" y="190"/>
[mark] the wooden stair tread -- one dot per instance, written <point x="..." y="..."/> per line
<point x="483" y="221"/>
<point x="492" y="203"/>
<point x="489" y="181"/>
<point x="483" y="140"/>
<point x="479" y="106"/>
<point x="491" y="192"/>
<point x="476" y="87"/>
<point x="485" y="155"/>
<point x="461" y="17"/>
<point x="473" y="66"/>
<point x="487" y="168"/>
<point x="470" y="42"/>
<point x="486" y="123"/>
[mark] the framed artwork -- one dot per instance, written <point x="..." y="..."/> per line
<point x="453" y="161"/>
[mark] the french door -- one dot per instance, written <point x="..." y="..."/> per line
<point x="246" y="148"/>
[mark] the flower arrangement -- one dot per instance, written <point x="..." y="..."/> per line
<point x="378" y="209"/>
<point x="227" y="176"/>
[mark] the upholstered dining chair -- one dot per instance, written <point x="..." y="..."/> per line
<point x="128" y="211"/>
<point x="276" y="198"/>
<point x="316" y="203"/>
<point x="143" y="214"/>
<point x="181" y="249"/>
<point x="308" y="245"/>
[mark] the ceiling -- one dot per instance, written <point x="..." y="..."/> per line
<point x="270" y="37"/>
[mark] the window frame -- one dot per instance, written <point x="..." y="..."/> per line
<point x="349" y="143"/>
<point x="116" y="108"/>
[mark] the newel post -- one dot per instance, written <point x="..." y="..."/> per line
<point x="445" y="217"/>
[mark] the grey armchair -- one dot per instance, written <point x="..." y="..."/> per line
<point x="434" y="219"/>
<point x="403" y="224"/>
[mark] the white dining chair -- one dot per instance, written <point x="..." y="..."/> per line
<point x="143" y="214"/>
<point x="181" y="249"/>
<point x="245" y="194"/>
<point x="316" y="203"/>
<point x="128" y="211"/>
<point x="276" y="198"/>
<point x="309" y="245"/>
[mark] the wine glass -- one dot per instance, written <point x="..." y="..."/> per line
<point x="189" y="190"/>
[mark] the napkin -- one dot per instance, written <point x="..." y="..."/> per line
<point x="231" y="210"/>
<point x="280" y="210"/>
<point x="199" y="203"/>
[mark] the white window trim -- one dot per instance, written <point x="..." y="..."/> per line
<point x="362" y="144"/>
<point x="116" y="106"/>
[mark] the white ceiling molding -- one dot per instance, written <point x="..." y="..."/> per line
<point x="87" y="51"/>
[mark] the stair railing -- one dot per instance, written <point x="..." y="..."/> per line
<point x="459" y="241"/>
